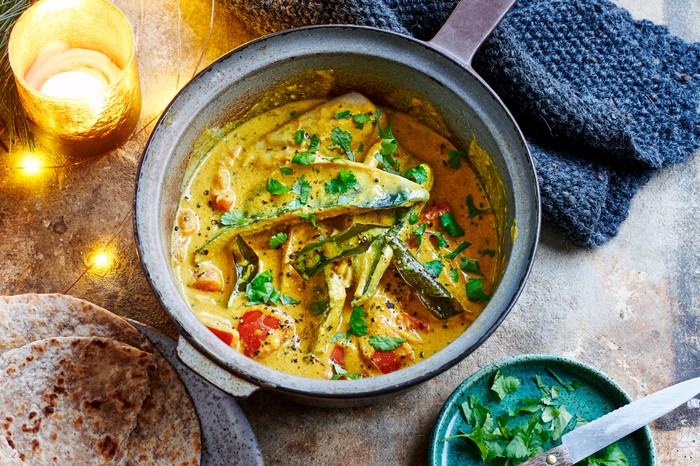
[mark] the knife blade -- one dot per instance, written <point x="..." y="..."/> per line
<point x="596" y="435"/>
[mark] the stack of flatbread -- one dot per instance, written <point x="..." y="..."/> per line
<point x="81" y="386"/>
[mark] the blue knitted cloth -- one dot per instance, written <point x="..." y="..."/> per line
<point x="603" y="100"/>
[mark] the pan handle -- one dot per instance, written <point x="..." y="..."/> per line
<point x="199" y="363"/>
<point x="468" y="26"/>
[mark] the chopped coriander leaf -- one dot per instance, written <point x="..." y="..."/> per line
<point x="454" y="157"/>
<point x="559" y="422"/>
<point x="232" y="218"/>
<point x="381" y="343"/>
<point x="473" y="209"/>
<point x="475" y="292"/>
<point x="302" y="188"/>
<point x="434" y="267"/>
<point x="570" y="387"/>
<point x="345" y="114"/>
<point x="504" y="384"/>
<point x="441" y="241"/>
<point x="287" y="300"/>
<point x="276" y="187"/>
<point x="299" y="136"/>
<point x="340" y="372"/>
<point x="389" y="147"/>
<point x="448" y="222"/>
<point x="337" y="337"/>
<point x="356" y="324"/>
<point x="303" y="158"/>
<point x="462" y="246"/>
<point x="361" y="148"/>
<point x="454" y="275"/>
<point x="361" y="119"/>
<point x="613" y="456"/>
<point x="342" y="183"/>
<point x="389" y="163"/>
<point x="469" y="265"/>
<point x="314" y="145"/>
<point x="418" y="232"/>
<point x="343" y="139"/>
<point x="310" y="217"/>
<point x="413" y="219"/>
<point x="383" y="133"/>
<point x="418" y="173"/>
<point x="278" y="240"/>
<point x="488" y="252"/>
<point x="286" y="170"/>
<point x="580" y="421"/>
<point x="261" y="290"/>
<point x="405" y="102"/>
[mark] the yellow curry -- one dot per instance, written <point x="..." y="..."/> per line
<point x="329" y="238"/>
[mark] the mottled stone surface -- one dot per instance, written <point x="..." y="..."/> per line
<point x="630" y="308"/>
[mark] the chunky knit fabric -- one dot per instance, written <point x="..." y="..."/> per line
<point x="604" y="100"/>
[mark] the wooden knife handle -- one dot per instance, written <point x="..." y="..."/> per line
<point x="558" y="456"/>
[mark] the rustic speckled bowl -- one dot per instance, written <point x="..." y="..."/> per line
<point x="598" y="395"/>
<point x="439" y="71"/>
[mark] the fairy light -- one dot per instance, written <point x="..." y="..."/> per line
<point x="30" y="164"/>
<point x="102" y="260"/>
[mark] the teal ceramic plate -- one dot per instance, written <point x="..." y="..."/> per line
<point x="597" y="395"/>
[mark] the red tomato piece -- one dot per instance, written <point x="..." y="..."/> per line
<point x="386" y="361"/>
<point x="254" y="328"/>
<point x="226" y="337"/>
<point x="413" y="323"/>
<point x="432" y="213"/>
<point x="338" y="356"/>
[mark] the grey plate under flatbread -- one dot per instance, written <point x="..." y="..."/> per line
<point x="227" y="439"/>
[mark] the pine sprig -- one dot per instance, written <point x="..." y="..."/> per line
<point x="12" y="115"/>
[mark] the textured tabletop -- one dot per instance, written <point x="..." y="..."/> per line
<point x="630" y="308"/>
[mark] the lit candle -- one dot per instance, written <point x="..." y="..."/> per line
<point x="75" y="67"/>
<point x="69" y="73"/>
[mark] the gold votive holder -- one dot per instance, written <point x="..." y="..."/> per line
<point x="74" y="62"/>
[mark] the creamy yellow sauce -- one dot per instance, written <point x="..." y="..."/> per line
<point x="313" y="338"/>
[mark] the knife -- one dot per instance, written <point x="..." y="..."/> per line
<point x="596" y="435"/>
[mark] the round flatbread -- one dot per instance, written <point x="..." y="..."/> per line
<point x="72" y="400"/>
<point x="29" y="317"/>
<point x="167" y="429"/>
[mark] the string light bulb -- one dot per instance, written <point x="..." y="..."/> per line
<point x="30" y="164"/>
<point x="102" y="260"/>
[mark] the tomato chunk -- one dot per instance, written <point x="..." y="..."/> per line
<point x="208" y="278"/>
<point x="412" y="323"/>
<point x="226" y="337"/>
<point x="386" y="361"/>
<point x="254" y="328"/>
<point x="338" y="356"/>
<point x="431" y="214"/>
